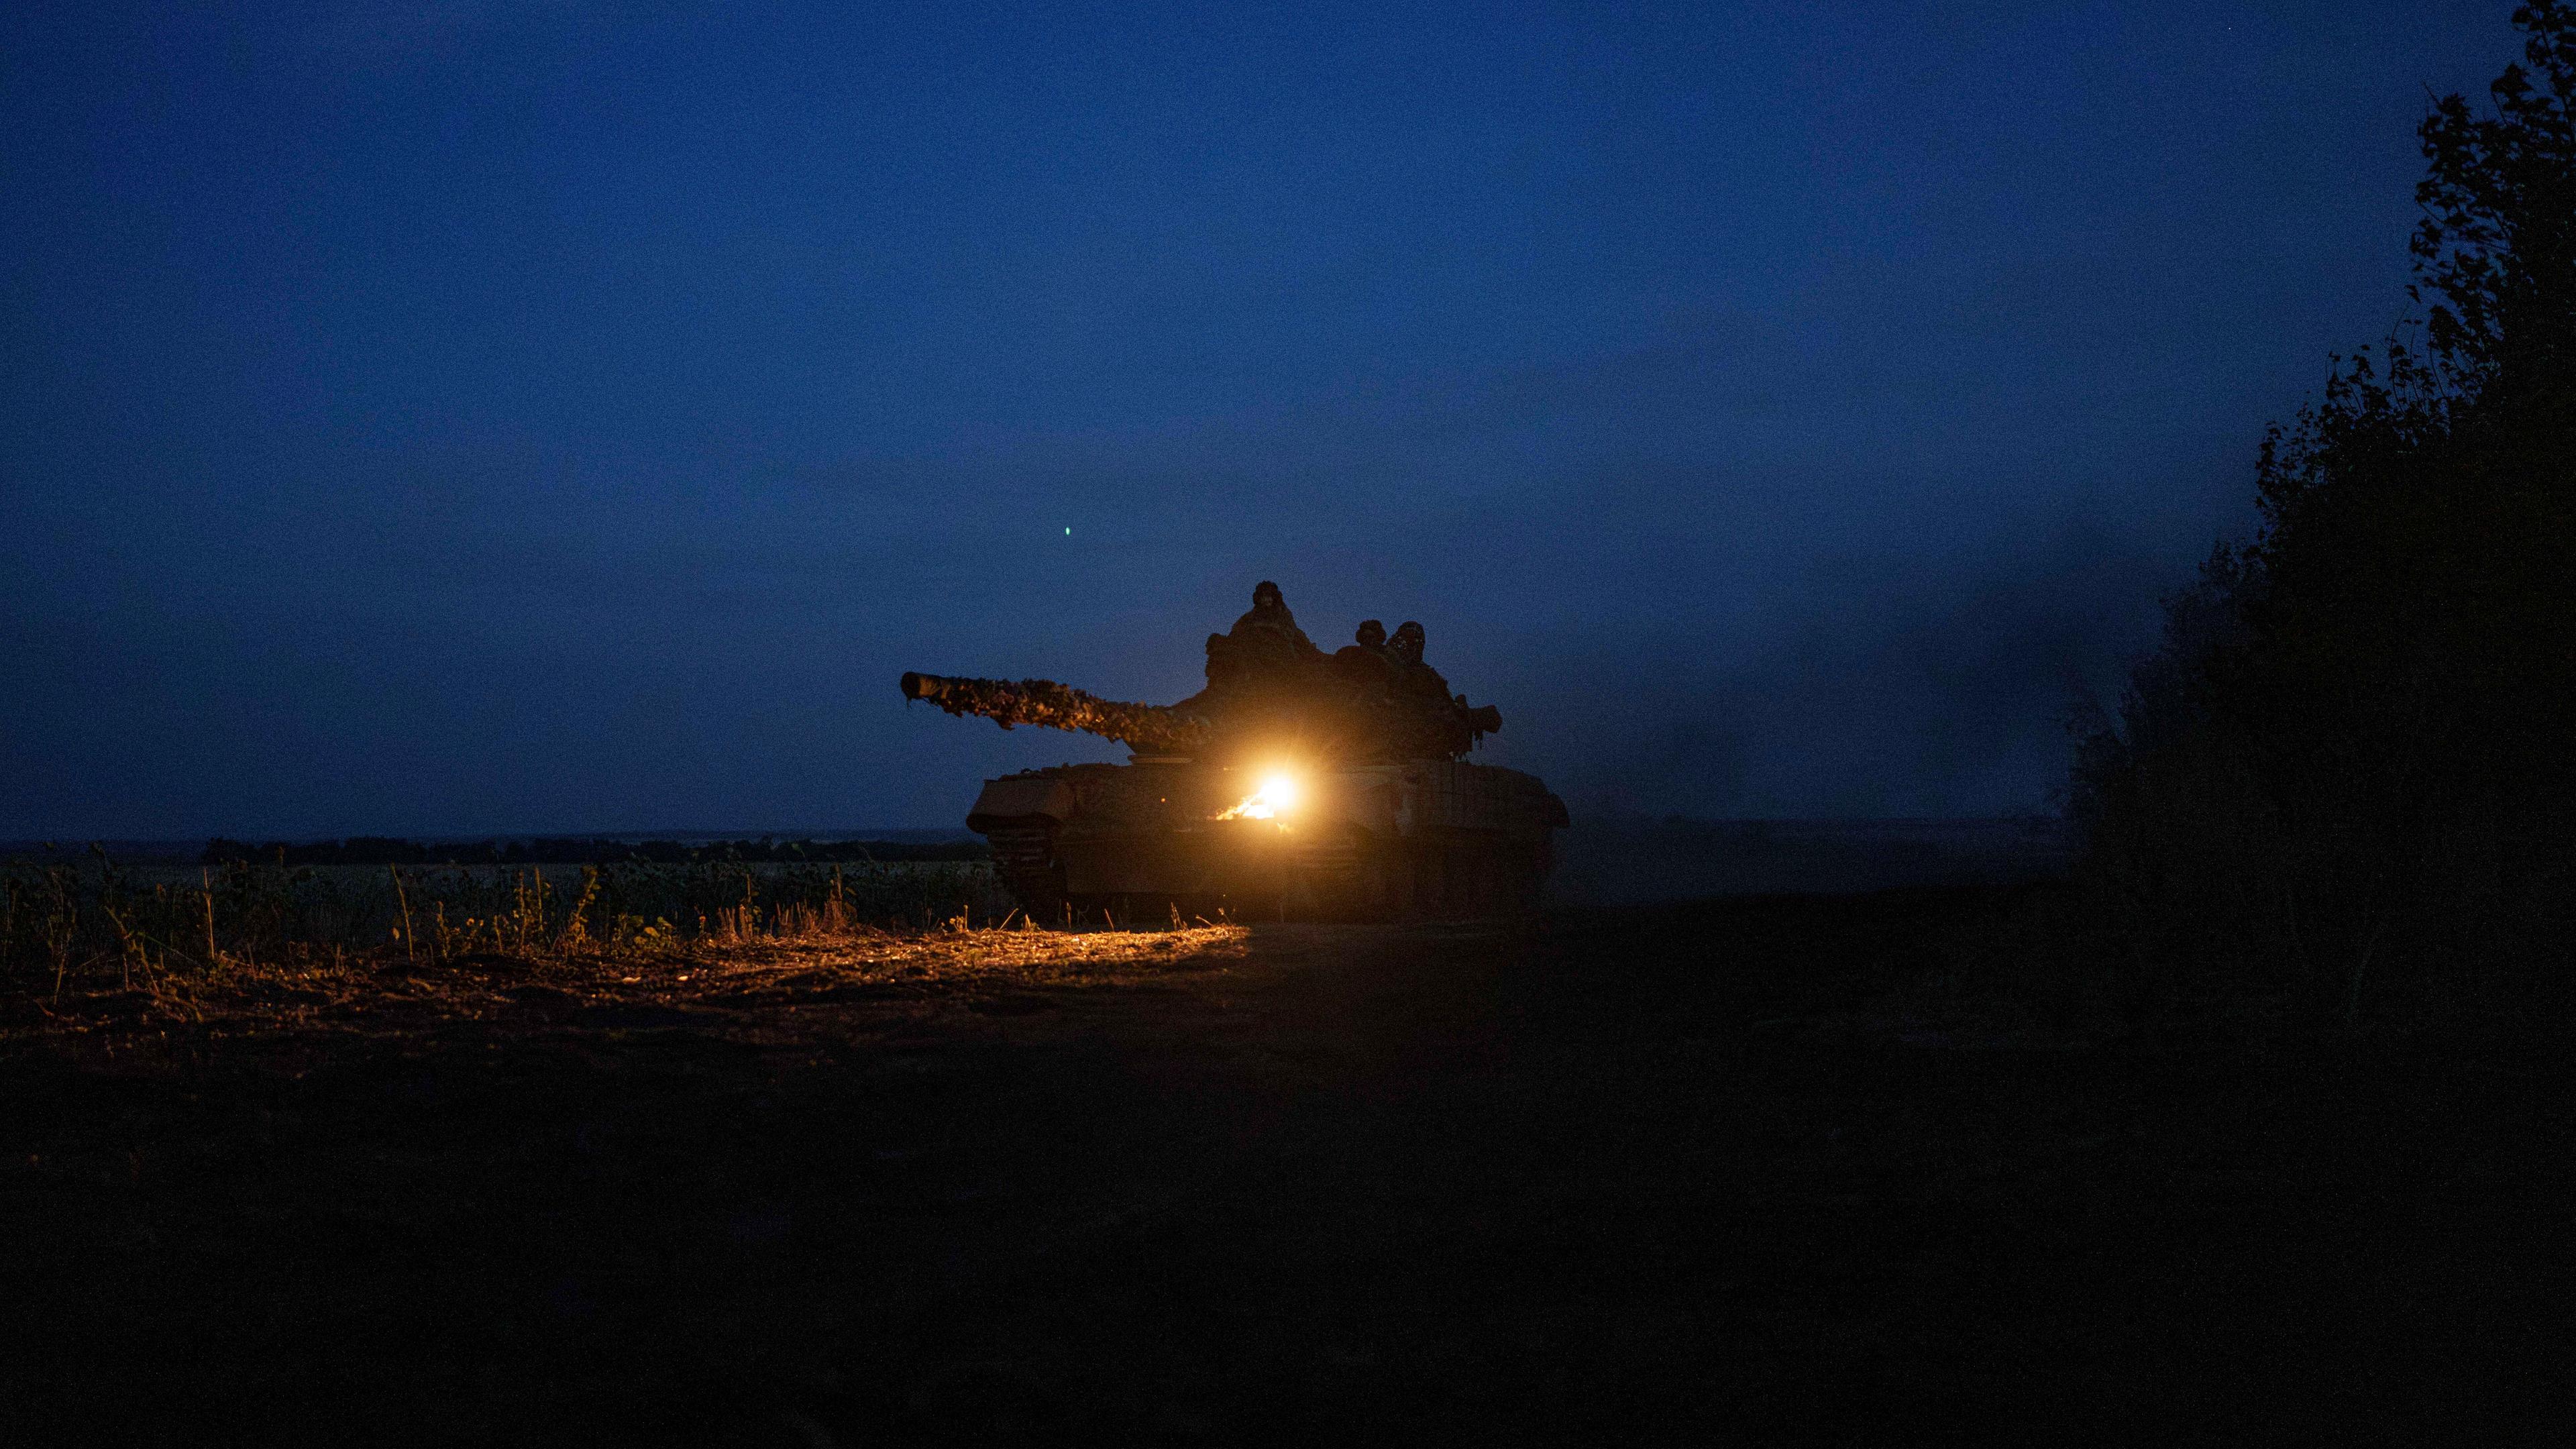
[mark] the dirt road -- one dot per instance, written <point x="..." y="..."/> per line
<point x="1636" y="1175"/>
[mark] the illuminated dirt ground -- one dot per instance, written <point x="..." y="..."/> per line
<point x="1670" y="1171"/>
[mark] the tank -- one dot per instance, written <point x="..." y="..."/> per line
<point x="1297" y="785"/>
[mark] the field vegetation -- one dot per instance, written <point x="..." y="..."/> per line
<point x="82" y="924"/>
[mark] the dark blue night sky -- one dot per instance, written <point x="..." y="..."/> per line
<point x="460" y="417"/>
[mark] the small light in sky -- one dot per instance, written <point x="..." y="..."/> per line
<point x="1068" y="532"/>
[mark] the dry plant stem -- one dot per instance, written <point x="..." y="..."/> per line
<point x="403" y="900"/>
<point x="58" y="937"/>
<point x="124" y="947"/>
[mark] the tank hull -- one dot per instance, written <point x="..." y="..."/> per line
<point x="1433" y="839"/>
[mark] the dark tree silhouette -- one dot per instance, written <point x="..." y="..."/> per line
<point x="2497" y="244"/>
<point x="2345" y="776"/>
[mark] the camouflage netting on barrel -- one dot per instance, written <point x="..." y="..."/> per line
<point x="1145" y="728"/>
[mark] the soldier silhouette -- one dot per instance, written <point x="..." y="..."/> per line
<point x="1364" y="663"/>
<point x="1426" y="694"/>
<point x="1265" y="645"/>
<point x="1414" y="676"/>
<point x="1269" y="614"/>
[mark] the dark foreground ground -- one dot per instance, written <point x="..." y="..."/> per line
<point x="1663" y="1174"/>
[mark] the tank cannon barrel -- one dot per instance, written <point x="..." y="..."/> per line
<point x="1152" y="729"/>
<point x="932" y="686"/>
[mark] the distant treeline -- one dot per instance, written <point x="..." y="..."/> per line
<point x="383" y="850"/>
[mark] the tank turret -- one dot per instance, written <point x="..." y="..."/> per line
<point x="1318" y="717"/>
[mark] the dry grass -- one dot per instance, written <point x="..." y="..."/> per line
<point x="72" y="926"/>
<point x="390" y="990"/>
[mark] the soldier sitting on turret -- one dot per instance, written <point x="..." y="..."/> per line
<point x="1412" y="676"/>
<point x="1269" y="615"/>
<point x="1425" y="696"/>
<point x="1264" y="646"/>
<point x="1364" y="664"/>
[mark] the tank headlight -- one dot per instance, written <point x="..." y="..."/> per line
<point x="1280" y="792"/>
<point x="1277" y="795"/>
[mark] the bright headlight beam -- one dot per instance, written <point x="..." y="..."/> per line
<point x="1277" y="793"/>
<point x="1280" y="792"/>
